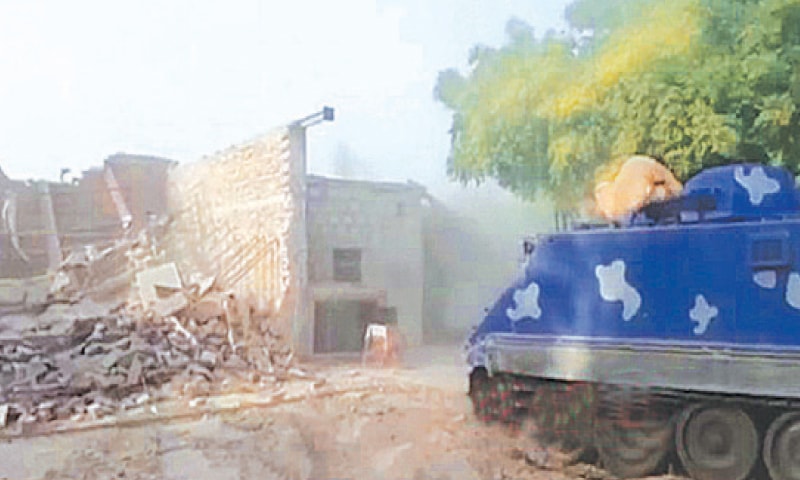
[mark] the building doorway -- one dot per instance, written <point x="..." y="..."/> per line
<point x="339" y="325"/>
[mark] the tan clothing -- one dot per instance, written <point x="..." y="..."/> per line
<point x="639" y="181"/>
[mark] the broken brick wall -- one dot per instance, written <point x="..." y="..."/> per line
<point x="238" y="215"/>
<point x="28" y="241"/>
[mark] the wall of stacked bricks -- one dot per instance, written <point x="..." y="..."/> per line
<point x="234" y="217"/>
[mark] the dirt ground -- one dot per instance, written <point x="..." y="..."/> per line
<point x="411" y="422"/>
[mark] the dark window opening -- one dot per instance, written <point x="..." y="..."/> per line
<point x="771" y="250"/>
<point x="347" y="264"/>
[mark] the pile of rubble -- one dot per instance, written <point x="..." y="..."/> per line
<point x="120" y="327"/>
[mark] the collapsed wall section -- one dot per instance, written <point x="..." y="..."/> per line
<point x="238" y="216"/>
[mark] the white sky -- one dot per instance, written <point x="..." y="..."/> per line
<point x="83" y="79"/>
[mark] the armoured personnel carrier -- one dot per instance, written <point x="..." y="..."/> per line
<point x="674" y="338"/>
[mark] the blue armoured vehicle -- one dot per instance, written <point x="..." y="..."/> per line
<point x="672" y="339"/>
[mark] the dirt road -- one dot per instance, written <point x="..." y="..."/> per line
<point x="412" y="422"/>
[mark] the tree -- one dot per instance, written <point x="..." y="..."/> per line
<point x="696" y="82"/>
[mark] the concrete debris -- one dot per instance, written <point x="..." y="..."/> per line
<point x="208" y="307"/>
<point x="200" y="285"/>
<point x="12" y="292"/>
<point x="24" y="294"/>
<point x="179" y="328"/>
<point x="116" y="328"/>
<point x="164" y="276"/>
<point x="166" y="307"/>
<point x="538" y="458"/>
<point x="591" y="472"/>
<point x="208" y="358"/>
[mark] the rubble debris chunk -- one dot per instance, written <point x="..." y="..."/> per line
<point x="200" y="284"/>
<point x="166" y="307"/>
<point x="208" y="358"/>
<point x="165" y="276"/>
<point x="12" y="292"/>
<point x="110" y="331"/>
<point x="210" y="306"/>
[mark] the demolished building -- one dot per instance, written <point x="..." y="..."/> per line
<point x="319" y="257"/>
<point x="42" y="220"/>
<point x="323" y="257"/>
<point x="144" y="272"/>
<point x="113" y="307"/>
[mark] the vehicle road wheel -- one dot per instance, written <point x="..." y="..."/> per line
<point x="483" y="395"/>
<point x="782" y="447"/>
<point x="716" y="443"/>
<point x="506" y="401"/>
<point x="632" y="449"/>
<point x="563" y="415"/>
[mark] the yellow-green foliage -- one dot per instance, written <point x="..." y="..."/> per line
<point x="697" y="82"/>
<point x="664" y="31"/>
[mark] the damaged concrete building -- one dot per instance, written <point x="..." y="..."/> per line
<point x="319" y="257"/>
<point x="325" y="256"/>
<point x="366" y="259"/>
<point x="145" y="280"/>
